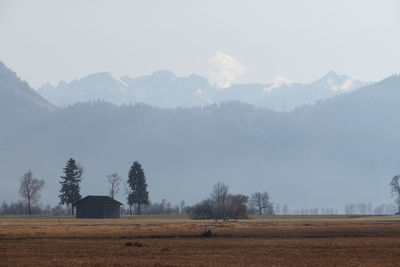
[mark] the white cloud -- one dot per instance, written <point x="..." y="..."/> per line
<point x="225" y="71"/>
<point x="347" y="85"/>
<point x="278" y="81"/>
<point x="200" y="94"/>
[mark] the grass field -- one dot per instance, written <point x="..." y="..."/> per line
<point x="179" y="241"/>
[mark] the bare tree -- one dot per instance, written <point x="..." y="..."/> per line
<point x="277" y="208"/>
<point x="369" y="208"/>
<point x="351" y="209"/>
<point x="219" y="198"/>
<point x="261" y="202"/>
<point x="395" y="189"/>
<point x="202" y="210"/>
<point x="237" y="206"/>
<point x="30" y="189"/>
<point x="285" y="209"/>
<point x="182" y="206"/>
<point x="362" y="208"/>
<point x="128" y="191"/>
<point x="114" y="180"/>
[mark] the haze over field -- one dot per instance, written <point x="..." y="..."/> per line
<point x="305" y="157"/>
<point x="306" y="108"/>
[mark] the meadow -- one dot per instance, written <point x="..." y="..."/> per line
<point x="176" y="240"/>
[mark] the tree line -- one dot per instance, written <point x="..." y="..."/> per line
<point x="220" y="205"/>
<point x="70" y="191"/>
<point x="136" y="186"/>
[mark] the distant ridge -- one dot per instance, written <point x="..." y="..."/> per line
<point x="164" y="89"/>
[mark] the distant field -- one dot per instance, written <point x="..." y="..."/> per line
<point x="176" y="240"/>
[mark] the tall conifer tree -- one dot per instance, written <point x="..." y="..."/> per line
<point x="138" y="193"/>
<point x="70" y="188"/>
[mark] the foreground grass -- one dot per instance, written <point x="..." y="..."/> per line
<point x="202" y="252"/>
<point x="176" y="240"/>
<point x="185" y="217"/>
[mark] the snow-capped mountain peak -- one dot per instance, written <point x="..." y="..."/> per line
<point x="338" y="83"/>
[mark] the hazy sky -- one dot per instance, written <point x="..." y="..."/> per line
<point x="228" y="41"/>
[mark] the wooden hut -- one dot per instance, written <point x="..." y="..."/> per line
<point x="97" y="207"/>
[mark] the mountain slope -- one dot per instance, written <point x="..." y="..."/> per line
<point x="19" y="104"/>
<point x="365" y="121"/>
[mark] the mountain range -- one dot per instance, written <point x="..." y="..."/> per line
<point x="339" y="150"/>
<point x="164" y="89"/>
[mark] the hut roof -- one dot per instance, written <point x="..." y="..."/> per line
<point x="102" y="200"/>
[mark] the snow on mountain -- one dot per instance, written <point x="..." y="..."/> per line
<point x="289" y="96"/>
<point x="336" y="82"/>
<point x="164" y="89"/>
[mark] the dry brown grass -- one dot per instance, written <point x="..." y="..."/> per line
<point x="178" y="241"/>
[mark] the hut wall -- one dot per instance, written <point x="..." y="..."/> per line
<point x="111" y="211"/>
<point x="87" y="209"/>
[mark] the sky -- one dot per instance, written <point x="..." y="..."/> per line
<point x="227" y="41"/>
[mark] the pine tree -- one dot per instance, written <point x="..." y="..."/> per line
<point x="70" y="189"/>
<point x="138" y="193"/>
